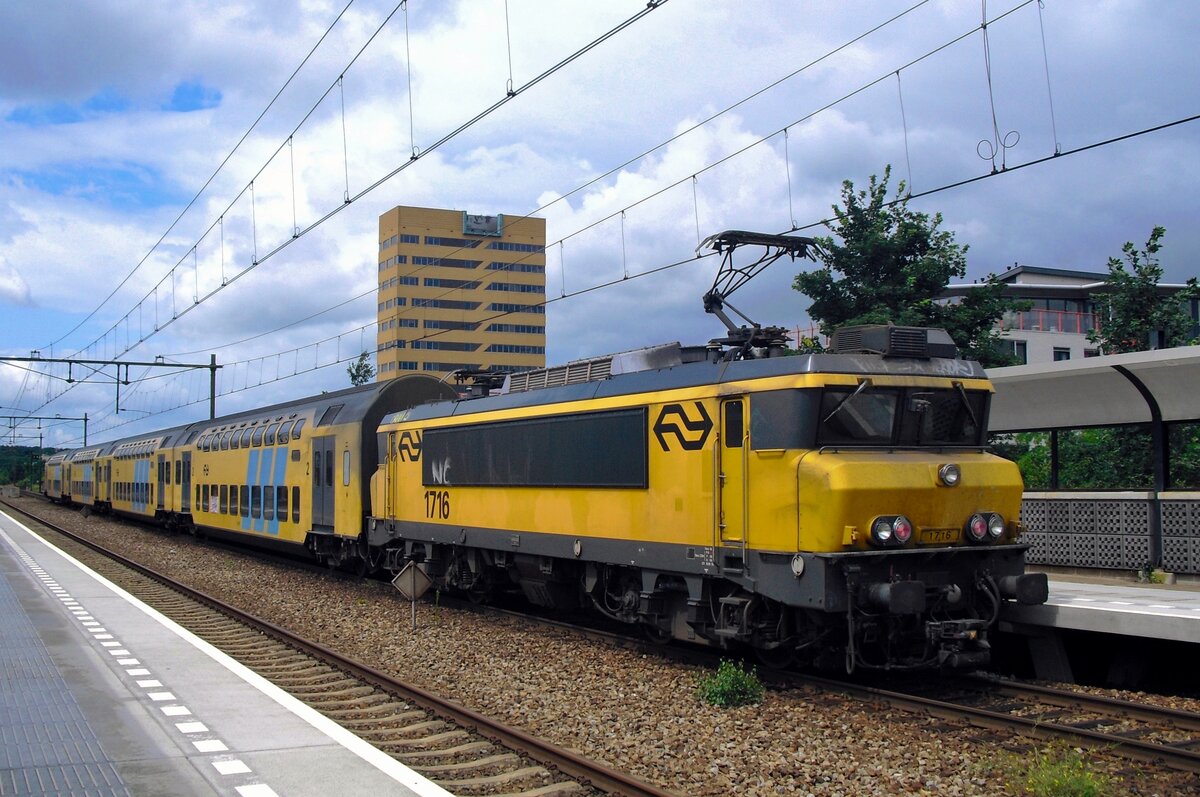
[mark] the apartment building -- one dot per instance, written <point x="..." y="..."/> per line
<point x="460" y="291"/>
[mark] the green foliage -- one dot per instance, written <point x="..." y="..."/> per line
<point x="1056" y="771"/>
<point x="22" y="465"/>
<point x="1132" y="307"/>
<point x="730" y="686"/>
<point x="361" y="371"/>
<point x="891" y="266"/>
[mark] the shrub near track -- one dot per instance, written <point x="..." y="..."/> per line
<point x="730" y="686"/>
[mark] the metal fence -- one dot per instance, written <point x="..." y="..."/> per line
<point x="1113" y="530"/>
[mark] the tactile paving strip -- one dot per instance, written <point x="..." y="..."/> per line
<point x="46" y="744"/>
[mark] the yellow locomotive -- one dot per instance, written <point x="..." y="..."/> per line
<point x="828" y="504"/>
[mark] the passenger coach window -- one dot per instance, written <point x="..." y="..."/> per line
<point x="256" y="439"/>
<point x="224" y="502"/>
<point x="295" y="504"/>
<point x="268" y="503"/>
<point x="281" y="496"/>
<point x="345" y="468"/>
<point x="233" y="502"/>
<point x="296" y="431"/>
<point x="256" y="501"/>
<point x="244" y="494"/>
<point x="269" y="440"/>
<point x="283" y="433"/>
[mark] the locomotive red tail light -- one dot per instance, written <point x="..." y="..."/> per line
<point x="902" y="529"/>
<point x="977" y="528"/>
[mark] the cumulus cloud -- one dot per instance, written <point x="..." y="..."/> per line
<point x="113" y="128"/>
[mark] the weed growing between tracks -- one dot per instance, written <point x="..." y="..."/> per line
<point x="1057" y="770"/>
<point x="730" y="686"/>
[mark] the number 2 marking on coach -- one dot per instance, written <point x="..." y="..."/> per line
<point x="437" y="504"/>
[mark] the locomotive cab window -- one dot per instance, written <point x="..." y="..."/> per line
<point x="871" y="416"/>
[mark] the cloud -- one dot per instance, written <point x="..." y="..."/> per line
<point x="13" y="288"/>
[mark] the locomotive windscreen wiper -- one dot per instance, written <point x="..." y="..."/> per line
<point x="966" y="402"/>
<point x="863" y="384"/>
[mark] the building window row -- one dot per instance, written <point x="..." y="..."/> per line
<point x="404" y="239"/>
<point x="527" y="329"/>
<point x="450" y="367"/>
<point x="434" y="323"/>
<point x="392" y="261"/>
<point x="441" y="282"/>
<point x="390" y="303"/>
<point x="503" y="307"/>
<point x="447" y="262"/>
<point x="525" y="268"/>
<point x="445" y="345"/>
<point x="394" y="281"/>
<point x="392" y="323"/>
<point x="516" y="287"/>
<point x="461" y="243"/>
<point x="399" y="365"/>
<point x="446" y="304"/>
<point x="510" y="348"/>
<point x="394" y="344"/>
<point x="508" y="246"/>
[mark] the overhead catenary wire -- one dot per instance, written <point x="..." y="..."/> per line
<point x="257" y="260"/>
<point x="207" y="182"/>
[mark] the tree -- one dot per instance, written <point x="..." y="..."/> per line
<point x="891" y="266"/>
<point x="1132" y="308"/>
<point x="361" y="371"/>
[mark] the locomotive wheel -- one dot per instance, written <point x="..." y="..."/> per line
<point x="779" y="658"/>
<point x="654" y="634"/>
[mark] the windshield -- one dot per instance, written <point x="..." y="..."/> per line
<point x="869" y="415"/>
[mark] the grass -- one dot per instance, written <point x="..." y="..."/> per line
<point x="730" y="686"/>
<point x="1056" y="771"/>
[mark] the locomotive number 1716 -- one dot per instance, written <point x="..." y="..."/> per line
<point x="437" y="504"/>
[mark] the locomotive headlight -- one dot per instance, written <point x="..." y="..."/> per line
<point x="977" y="528"/>
<point x="995" y="526"/>
<point x="891" y="530"/>
<point x="949" y="474"/>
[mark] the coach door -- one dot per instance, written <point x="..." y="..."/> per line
<point x="323" y="449"/>
<point x="731" y="512"/>
<point x="185" y="482"/>
<point x="162" y="480"/>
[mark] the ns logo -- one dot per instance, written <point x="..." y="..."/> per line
<point x="408" y="447"/>
<point x="689" y="426"/>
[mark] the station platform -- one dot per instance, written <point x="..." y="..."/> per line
<point x="1102" y="606"/>
<point x="102" y="695"/>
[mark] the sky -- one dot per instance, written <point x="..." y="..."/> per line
<point x="174" y="177"/>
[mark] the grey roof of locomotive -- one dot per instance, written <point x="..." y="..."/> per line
<point x="694" y="374"/>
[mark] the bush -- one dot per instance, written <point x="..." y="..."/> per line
<point x="1057" y="771"/>
<point x="731" y="685"/>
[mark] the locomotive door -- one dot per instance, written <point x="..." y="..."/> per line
<point x="731" y="511"/>
<point x="162" y="479"/>
<point x="323" y="449"/>
<point x="185" y="483"/>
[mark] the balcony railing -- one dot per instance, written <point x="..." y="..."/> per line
<point x="1050" y="321"/>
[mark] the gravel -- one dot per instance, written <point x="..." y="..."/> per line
<point x="631" y="710"/>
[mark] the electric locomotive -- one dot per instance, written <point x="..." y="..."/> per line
<point x="835" y="508"/>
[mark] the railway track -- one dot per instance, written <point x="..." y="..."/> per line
<point x="1137" y="731"/>
<point x="463" y="751"/>
<point x="1003" y="708"/>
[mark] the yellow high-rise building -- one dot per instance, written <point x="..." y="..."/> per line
<point x="460" y="291"/>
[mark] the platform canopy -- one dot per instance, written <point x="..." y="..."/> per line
<point x="1098" y="391"/>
